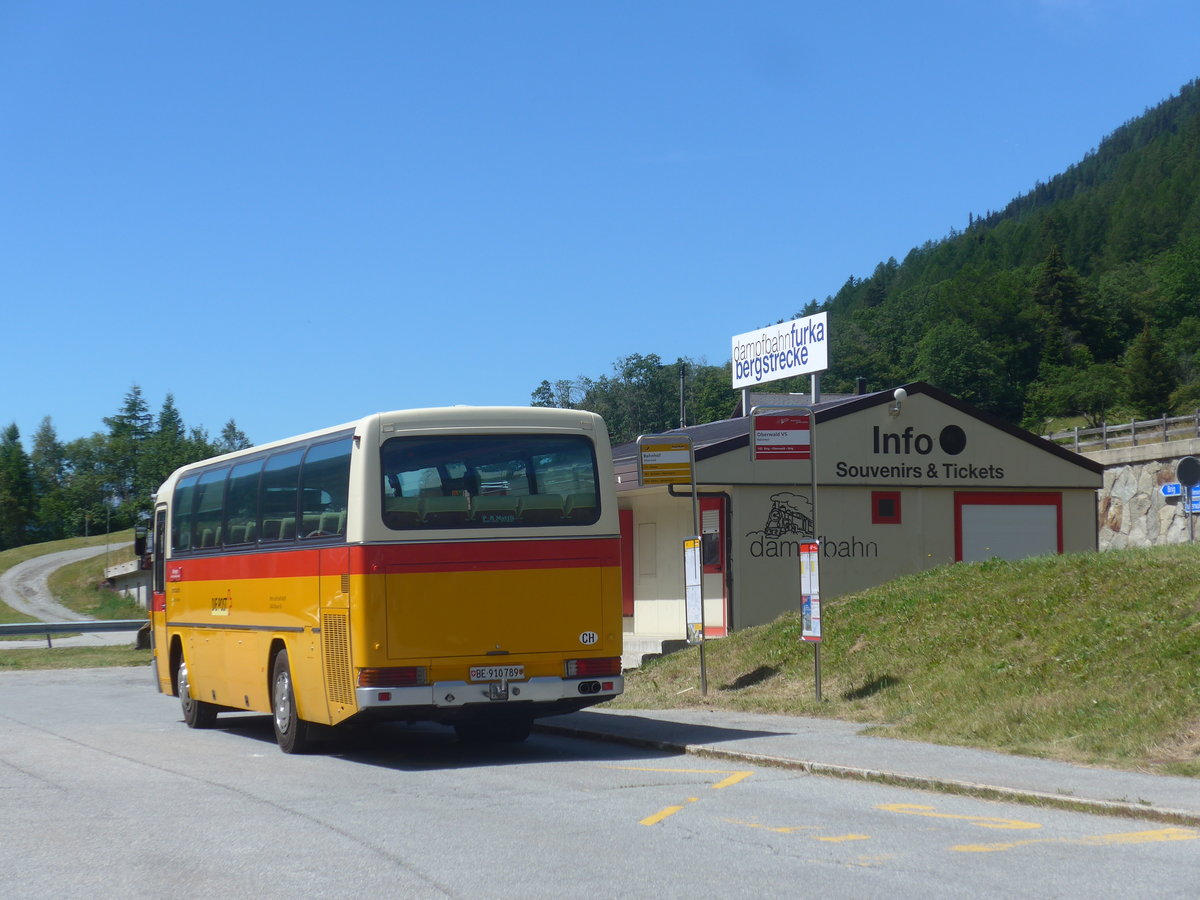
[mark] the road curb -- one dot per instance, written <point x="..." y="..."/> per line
<point x="899" y="779"/>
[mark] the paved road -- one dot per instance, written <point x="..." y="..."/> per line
<point x="25" y="588"/>
<point x="106" y="793"/>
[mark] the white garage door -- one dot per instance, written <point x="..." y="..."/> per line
<point x="1007" y="526"/>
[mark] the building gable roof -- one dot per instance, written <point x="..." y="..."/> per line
<point x="728" y="435"/>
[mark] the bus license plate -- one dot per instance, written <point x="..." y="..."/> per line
<point x="497" y="673"/>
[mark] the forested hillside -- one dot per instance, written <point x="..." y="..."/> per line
<point x="1081" y="297"/>
<point x="99" y="482"/>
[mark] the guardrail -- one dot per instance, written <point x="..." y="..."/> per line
<point x="88" y="626"/>
<point x="1147" y="431"/>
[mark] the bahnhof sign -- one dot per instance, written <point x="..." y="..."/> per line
<point x="900" y="486"/>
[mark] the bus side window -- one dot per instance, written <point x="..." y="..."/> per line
<point x="325" y="489"/>
<point x="181" y="514"/>
<point x="241" y="503"/>
<point x="210" y="495"/>
<point x="277" y="499"/>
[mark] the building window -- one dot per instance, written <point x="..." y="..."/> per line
<point x="885" y="507"/>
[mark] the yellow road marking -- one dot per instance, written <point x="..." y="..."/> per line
<point x="911" y="809"/>
<point x="842" y="838"/>
<point x="664" y="813"/>
<point x="730" y="779"/>
<point x="734" y="777"/>
<point x="1098" y="840"/>
<point x="793" y="829"/>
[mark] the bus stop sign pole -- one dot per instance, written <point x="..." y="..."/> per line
<point x="671" y="459"/>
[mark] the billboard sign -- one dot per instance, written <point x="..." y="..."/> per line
<point x="798" y="347"/>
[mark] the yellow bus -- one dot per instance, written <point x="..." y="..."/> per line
<point x="456" y="565"/>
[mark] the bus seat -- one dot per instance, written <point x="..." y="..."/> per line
<point x="237" y="534"/>
<point x="287" y="530"/>
<point x="494" y="509"/>
<point x="271" y="529"/>
<point x="333" y="523"/>
<point x="402" y="512"/>
<point x="450" y="510"/>
<point x="581" y="507"/>
<point x="541" y="508"/>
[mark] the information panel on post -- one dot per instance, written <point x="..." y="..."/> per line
<point x="810" y="591"/>
<point x="692" y="594"/>
<point x="665" y="459"/>
<point x="782" y="435"/>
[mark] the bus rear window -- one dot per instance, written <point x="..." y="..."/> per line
<point x="489" y="481"/>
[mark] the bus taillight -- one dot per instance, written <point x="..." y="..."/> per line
<point x="591" y="668"/>
<point x="400" y="676"/>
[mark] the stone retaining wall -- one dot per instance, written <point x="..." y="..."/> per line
<point x="1131" y="508"/>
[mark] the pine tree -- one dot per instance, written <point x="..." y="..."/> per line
<point x="48" y="461"/>
<point x="16" y="490"/>
<point x="129" y="433"/>
<point x="1149" y="377"/>
<point x="233" y="438"/>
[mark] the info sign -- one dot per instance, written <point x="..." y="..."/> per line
<point x="781" y="436"/>
<point x="810" y="591"/>
<point x="665" y="459"/>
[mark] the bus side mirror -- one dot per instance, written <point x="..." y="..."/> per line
<point x="139" y="540"/>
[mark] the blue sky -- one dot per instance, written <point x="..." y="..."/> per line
<point x="293" y="214"/>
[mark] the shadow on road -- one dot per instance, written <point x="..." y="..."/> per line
<point x="428" y="746"/>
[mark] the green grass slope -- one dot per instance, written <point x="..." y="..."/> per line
<point x="1090" y="658"/>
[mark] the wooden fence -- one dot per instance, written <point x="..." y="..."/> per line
<point x="1131" y="434"/>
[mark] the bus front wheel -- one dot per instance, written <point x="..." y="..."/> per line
<point x="291" y="732"/>
<point x="196" y="713"/>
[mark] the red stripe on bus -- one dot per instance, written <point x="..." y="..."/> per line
<point x="493" y="555"/>
<point x="432" y="557"/>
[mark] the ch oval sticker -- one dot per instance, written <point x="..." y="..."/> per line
<point x="589" y="637"/>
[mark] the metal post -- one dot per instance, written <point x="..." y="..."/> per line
<point x="699" y="537"/>
<point x="1191" y="517"/>
<point x="682" y="408"/>
<point x="812" y="467"/>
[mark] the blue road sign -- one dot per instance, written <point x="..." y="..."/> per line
<point x="1174" y="489"/>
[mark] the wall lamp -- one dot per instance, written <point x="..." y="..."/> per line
<point x="900" y="396"/>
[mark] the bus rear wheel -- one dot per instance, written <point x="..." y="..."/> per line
<point x="196" y="713"/>
<point x="291" y="732"/>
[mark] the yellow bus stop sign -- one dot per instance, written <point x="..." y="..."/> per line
<point x="665" y="459"/>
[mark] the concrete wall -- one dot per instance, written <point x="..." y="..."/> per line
<point x="130" y="580"/>
<point x="1132" y="509"/>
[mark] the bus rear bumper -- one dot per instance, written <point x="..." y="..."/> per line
<point x="456" y="694"/>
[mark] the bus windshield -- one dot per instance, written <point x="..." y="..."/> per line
<point x="489" y="481"/>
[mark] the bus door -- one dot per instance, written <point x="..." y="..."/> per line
<point x="159" y="651"/>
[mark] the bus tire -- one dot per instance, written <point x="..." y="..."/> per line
<point x="196" y="713"/>
<point x="291" y="732"/>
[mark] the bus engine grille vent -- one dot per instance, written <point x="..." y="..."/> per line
<point x="345" y="584"/>
<point x="335" y="644"/>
